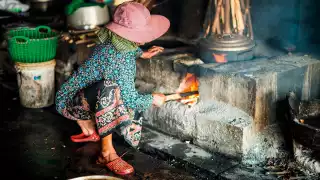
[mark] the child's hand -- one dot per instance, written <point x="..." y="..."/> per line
<point x="158" y="99"/>
<point x="154" y="50"/>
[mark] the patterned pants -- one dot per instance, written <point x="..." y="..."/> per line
<point x="102" y="102"/>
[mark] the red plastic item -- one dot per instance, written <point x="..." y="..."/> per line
<point x="83" y="138"/>
<point x="119" y="166"/>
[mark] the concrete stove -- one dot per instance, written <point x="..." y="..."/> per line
<point x="238" y="102"/>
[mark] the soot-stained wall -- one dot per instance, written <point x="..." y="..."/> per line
<point x="186" y="16"/>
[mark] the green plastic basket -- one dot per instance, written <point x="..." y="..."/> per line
<point x="32" y="45"/>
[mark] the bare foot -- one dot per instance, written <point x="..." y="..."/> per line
<point x="87" y="127"/>
<point x="109" y="156"/>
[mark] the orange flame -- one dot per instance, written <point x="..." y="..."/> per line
<point x="220" y="58"/>
<point x="189" y="83"/>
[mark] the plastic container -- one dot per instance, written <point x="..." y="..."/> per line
<point x="36" y="82"/>
<point x="32" y="45"/>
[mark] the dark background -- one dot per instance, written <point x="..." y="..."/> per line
<point x="277" y="22"/>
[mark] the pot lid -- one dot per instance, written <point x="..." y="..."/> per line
<point x="232" y="42"/>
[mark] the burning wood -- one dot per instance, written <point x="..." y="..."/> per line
<point x="187" y="93"/>
<point x="178" y="96"/>
<point x="189" y="84"/>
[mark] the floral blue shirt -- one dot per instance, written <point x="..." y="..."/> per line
<point x="106" y="63"/>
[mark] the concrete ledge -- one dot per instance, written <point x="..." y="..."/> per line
<point x="198" y="161"/>
<point x="215" y="126"/>
<point x="188" y="154"/>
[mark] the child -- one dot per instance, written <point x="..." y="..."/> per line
<point x="102" y="94"/>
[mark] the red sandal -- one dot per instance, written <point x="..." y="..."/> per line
<point x="83" y="138"/>
<point x="118" y="166"/>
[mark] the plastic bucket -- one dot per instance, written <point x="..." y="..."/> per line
<point x="36" y="83"/>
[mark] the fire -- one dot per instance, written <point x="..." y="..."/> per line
<point x="220" y="58"/>
<point x="189" y="83"/>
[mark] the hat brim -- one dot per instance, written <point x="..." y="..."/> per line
<point x="157" y="26"/>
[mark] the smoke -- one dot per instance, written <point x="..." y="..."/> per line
<point x="286" y="24"/>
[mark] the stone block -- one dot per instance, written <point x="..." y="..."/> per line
<point x="215" y="126"/>
<point x="164" y="73"/>
<point x="174" y="119"/>
<point x="257" y="86"/>
<point x="228" y="136"/>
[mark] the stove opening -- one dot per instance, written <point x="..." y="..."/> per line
<point x="189" y="83"/>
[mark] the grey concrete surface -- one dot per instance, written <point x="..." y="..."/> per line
<point x="215" y="126"/>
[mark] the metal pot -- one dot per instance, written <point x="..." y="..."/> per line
<point x="89" y="17"/>
<point x="40" y="5"/>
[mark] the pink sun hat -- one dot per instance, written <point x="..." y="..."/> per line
<point x="134" y="22"/>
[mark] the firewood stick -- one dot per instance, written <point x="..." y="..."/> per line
<point x="250" y="26"/>
<point x="219" y="24"/>
<point x="243" y="6"/>
<point x="211" y="15"/>
<point x="220" y="20"/>
<point x="243" y="10"/>
<point x="208" y="19"/>
<point x="239" y="17"/>
<point x="249" y="20"/>
<point x="222" y="15"/>
<point x="189" y="101"/>
<point x="245" y="20"/>
<point x="173" y="97"/>
<point x="84" y="41"/>
<point x="91" y="45"/>
<point x="207" y="31"/>
<point x="227" y="28"/>
<point x="234" y="22"/>
<point x="218" y="28"/>
<point x="216" y="21"/>
<point x="178" y="96"/>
